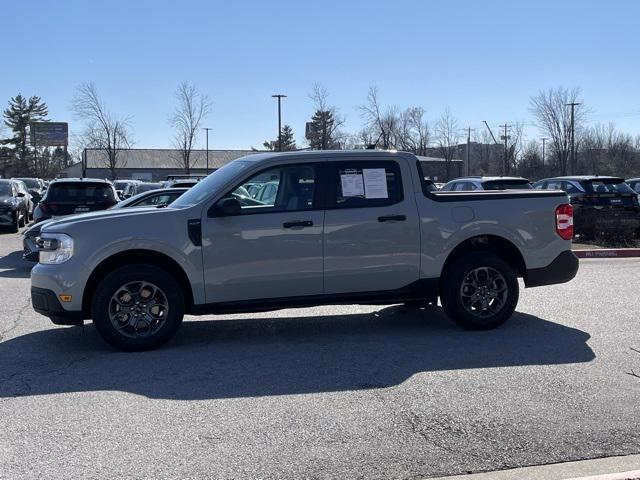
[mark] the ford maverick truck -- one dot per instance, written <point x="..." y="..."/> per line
<point x="318" y="228"/>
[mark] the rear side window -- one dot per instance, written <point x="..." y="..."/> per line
<point x="365" y="184"/>
<point x="635" y="186"/>
<point x="80" y="192"/>
<point x="606" y="186"/>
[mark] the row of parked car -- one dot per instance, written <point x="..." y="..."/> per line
<point x="81" y="195"/>
<point x="603" y="205"/>
<point x="18" y="200"/>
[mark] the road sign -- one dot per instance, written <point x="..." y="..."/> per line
<point x="49" y="134"/>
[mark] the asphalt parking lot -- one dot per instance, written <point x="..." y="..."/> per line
<point x="331" y="392"/>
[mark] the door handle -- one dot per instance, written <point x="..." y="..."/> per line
<point x="392" y="218"/>
<point x="300" y="223"/>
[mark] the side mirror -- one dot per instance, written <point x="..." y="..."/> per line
<point x="228" y="207"/>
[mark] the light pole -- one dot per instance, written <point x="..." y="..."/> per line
<point x="206" y="129"/>
<point x="279" y="96"/>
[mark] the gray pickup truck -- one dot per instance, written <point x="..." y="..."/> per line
<point x="341" y="227"/>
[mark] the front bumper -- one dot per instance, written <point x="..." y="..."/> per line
<point x="8" y="218"/>
<point x="562" y="269"/>
<point x="46" y="303"/>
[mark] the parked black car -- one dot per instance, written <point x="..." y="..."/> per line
<point x="152" y="198"/>
<point x="13" y="212"/>
<point x="75" y="195"/>
<point x="602" y="205"/>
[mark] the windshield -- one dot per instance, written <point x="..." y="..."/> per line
<point x="120" y="184"/>
<point x="5" y="190"/>
<point x="211" y="184"/>
<point x="614" y="185"/>
<point x="80" y="192"/>
<point x="145" y="187"/>
<point x="31" y="182"/>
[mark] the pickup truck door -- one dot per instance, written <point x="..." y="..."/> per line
<point x="371" y="229"/>
<point x="272" y="248"/>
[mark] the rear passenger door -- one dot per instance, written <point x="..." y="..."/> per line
<point x="371" y="227"/>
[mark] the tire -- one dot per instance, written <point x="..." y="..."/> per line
<point x="475" y="284"/>
<point x="23" y="222"/>
<point x="15" y="227"/>
<point x="145" y="325"/>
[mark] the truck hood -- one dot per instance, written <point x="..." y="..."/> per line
<point x="58" y="225"/>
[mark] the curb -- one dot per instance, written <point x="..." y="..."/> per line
<point x="626" y="468"/>
<point x="608" y="253"/>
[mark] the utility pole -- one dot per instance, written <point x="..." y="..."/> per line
<point x="469" y="149"/>
<point x="279" y="96"/>
<point x="544" y="139"/>
<point x="573" y="145"/>
<point x="505" y="137"/>
<point x="206" y="129"/>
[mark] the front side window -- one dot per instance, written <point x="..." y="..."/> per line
<point x="365" y="184"/>
<point x="281" y="189"/>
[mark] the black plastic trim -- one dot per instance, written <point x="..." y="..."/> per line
<point x="194" y="228"/>
<point x="46" y="303"/>
<point x="562" y="269"/>
<point x="417" y="290"/>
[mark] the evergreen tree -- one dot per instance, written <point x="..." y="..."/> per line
<point x="288" y="142"/>
<point x="321" y="130"/>
<point x="17" y="116"/>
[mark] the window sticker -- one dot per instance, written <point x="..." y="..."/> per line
<point x="352" y="185"/>
<point x="375" y="183"/>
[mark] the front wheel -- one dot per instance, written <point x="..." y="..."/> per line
<point x="479" y="291"/>
<point x="137" y="307"/>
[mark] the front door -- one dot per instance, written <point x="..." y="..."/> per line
<point x="273" y="247"/>
<point x="371" y="229"/>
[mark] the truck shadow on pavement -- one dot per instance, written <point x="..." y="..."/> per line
<point x="14" y="266"/>
<point x="211" y="359"/>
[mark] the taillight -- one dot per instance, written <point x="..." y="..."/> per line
<point x="564" y="221"/>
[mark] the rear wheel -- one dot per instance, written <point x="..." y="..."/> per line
<point x="137" y="307"/>
<point x="479" y="291"/>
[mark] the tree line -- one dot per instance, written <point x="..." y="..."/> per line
<point x="599" y="149"/>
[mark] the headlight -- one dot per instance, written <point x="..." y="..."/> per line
<point x="55" y="248"/>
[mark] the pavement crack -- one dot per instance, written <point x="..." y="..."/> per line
<point x="14" y="324"/>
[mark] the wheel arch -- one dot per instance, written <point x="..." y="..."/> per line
<point x="492" y="243"/>
<point x="128" y="257"/>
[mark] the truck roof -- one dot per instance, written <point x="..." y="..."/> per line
<point x="258" y="157"/>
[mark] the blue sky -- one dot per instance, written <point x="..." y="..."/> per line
<point x="483" y="59"/>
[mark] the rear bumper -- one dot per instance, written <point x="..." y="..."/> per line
<point x="562" y="269"/>
<point x="46" y="303"/>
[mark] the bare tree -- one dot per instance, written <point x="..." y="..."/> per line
<point x="382" y="121"/>
<point x="553" y="116"/>
<point x="447" y="133"/>
<point x="102" y="130"/>
<point x="412" y="133"/>
<point x="193" y="106"/>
